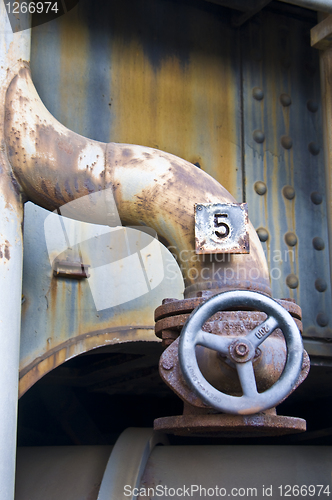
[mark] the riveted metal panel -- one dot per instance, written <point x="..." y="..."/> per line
<point x="163" y="74"/>
<point x="284" y="164"/>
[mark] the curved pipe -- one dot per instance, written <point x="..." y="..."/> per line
<point x="55" y="166"/>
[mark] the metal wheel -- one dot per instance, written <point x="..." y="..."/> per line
<point x="241" y="352"/>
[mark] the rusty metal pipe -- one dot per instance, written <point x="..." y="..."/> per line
<point x="55" y="166"/>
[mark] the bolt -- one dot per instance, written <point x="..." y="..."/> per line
<point x="288" y="192"/>
<point x="167" y="364"/>
<point x="199" y="207"/>
<point x="241" y="349"/>
<point x="285" y="100"/>
<point x="257" y="93"/>
<point x="318" y="243"/>
<point x="312" y="106"/>
<point x="316" y="198"/>
<point x="260" y="187"/>
<point x="322" y="319"/>
<point x="286" y="142"/>
<point x="313" y="148"/>
<point x="258" y="136"/>
<point x="291" y="239"/>
<point x="320" y="285"/>
<point x="258" y="352"/>
<point x="263" y="235"/>
<point x="292" y="281"/>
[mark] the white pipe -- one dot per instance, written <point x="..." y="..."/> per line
<point x="14" y="48"/>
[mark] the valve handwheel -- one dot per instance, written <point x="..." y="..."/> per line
<point x="241" y="352"/>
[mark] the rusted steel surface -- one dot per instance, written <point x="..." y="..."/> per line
<point x="59" y="315"/>
<point x="268" y="367"/>
<point x="167" y="317"/>
<point x="172" y="307"/>
<point x="284" y="168"/>
<point x="138" y="73"/>
<point x="268" y="363"/>
<point x="147" y="187"/>
<point x="222" y="425"/>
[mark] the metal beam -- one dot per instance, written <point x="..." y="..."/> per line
<point x="319" y="5"/>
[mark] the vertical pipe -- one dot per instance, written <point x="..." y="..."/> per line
<point x="14" y="48"/>
<point x="11" y="212"/>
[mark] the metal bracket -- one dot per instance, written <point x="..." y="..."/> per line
<point x="73" y="270"/>
<point x="221" y="228"/>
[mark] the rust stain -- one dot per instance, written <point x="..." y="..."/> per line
<point x="42" y="365"/>
<point x="7" y="252"/>
<point x="73" y="65"/>
<point x="187" y="110"/>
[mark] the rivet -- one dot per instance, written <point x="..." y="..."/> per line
<point x="291" y="239"/>
<point x="320" y="285"/>
<point x="322" y="319"/>
<point x="288" y="192"/>
<point x="285" y="100"/>
<point x="199" y="207"/>
<point x="263" y="235"/>
<point x="316" y="198"/>
<point x="258" y="136"/>
<point x="318" y="243"/>
<point x="312" y="106"/>
<point x="167" y="364"/>
<point x="257" y="93"/>
<point x="260" y="187"/>
<point x="286" y="142"/>
<point x="313" y="148"/>
<point x="292" y="281"/>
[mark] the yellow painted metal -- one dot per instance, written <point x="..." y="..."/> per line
<point x="148" y="89"/>
<point x="186" y="110"/>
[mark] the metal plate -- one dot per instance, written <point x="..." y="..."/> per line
<point x="221" y="228"/>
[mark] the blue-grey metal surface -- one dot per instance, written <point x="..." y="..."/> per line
<point x="284" y="163"/>
<point x="61" y="317"/>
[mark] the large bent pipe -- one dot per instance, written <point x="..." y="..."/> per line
<point x="55" y="166"/>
